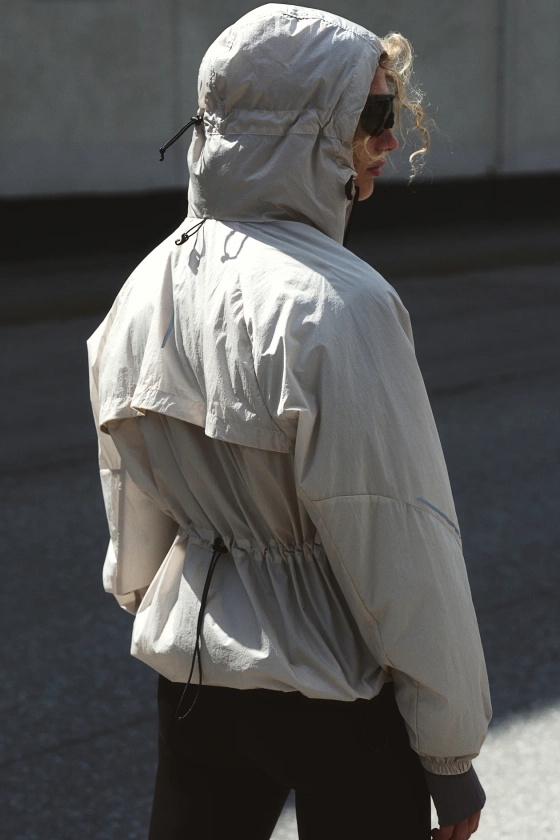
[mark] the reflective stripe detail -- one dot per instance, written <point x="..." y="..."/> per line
<point x="440" y="513"/>
<point x="168" y="332"/>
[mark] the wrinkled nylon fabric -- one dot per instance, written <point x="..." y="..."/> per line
<point x="270" y="149"/>
<point x="260" y="382"/>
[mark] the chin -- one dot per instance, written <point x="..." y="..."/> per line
<point x="367" y="191"/>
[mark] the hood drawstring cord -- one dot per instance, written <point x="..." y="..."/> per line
<point x="191" y="232"/>
<point x="218" y="548"/>
<point x="193" y="121"/>
<point x="352" y="194"/>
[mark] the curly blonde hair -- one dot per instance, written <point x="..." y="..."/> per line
<point x="396" y="60"/>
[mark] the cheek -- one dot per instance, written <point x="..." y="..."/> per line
<point x="372" y="146"/>
<point x="363" y="155"/>
<point x="358" y="165"/>
<point x="360" y="159"/>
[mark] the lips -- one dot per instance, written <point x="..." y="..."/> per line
<point x="376" y="170"/>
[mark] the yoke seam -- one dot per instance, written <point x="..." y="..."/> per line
<point x="254" y="426"/>
<point x="212" y="414"/>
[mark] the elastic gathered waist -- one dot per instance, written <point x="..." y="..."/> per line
<point x="244" y="547"/>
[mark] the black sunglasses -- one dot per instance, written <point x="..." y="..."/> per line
<point x="378" y="114"/>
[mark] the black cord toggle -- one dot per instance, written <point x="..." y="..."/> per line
<point x="351" y="216"/>
<point x="218" y="548"/>
<point x="190" y="232"/>
<point x="193" y="121"/>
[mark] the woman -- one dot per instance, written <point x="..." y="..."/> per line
<point x="281" y="519"/>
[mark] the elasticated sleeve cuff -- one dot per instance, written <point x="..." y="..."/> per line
<point x="455" y="797"/>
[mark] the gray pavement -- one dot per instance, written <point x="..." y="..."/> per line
<point x="79" y="735"/>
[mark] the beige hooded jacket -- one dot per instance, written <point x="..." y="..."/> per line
<point x="258" y="381"/>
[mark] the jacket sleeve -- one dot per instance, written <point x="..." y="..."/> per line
<point x="372" y="476"/>
<point x="140" y="533"/>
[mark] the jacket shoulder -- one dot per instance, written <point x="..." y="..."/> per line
<point x="317" y="312"/>
<point x="315" y="290"/>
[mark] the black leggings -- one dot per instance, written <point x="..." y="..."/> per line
<point x="227" y="769"/>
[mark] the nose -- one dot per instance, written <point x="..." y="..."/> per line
<point x="390" y="139"/>
<point x="386" y="142"/>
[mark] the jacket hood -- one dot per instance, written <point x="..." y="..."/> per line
<point x="281" y="92"/>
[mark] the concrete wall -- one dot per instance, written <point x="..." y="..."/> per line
<point x="91" y="88"/>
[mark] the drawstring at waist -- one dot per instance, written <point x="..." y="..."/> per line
<point x="218" y="548"/>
